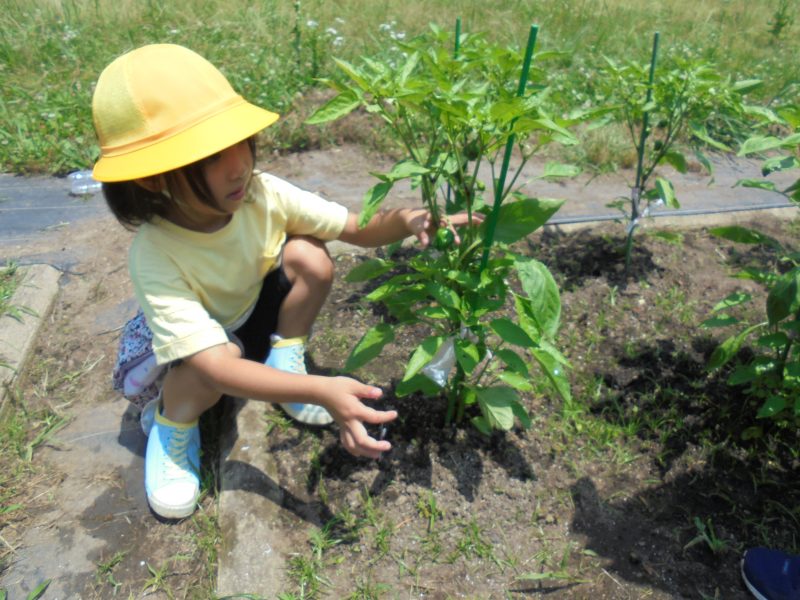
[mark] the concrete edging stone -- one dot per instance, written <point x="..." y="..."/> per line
<point x="34" y="297"/>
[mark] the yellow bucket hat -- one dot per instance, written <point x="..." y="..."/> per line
<point x="161" y="107"/>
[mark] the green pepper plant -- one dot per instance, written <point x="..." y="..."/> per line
<point x="772" y="374"/>
<point x="453" y="108"/>
<point x="661" y="108"/>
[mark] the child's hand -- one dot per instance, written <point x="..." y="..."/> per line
<point x="350" y="413"/>
<point x="423" y="228"/>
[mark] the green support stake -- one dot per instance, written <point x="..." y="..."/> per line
<point x="458" y="37"/>
<point x="501" y="180"/>
<point x="646" y="116"/>
<point x="636" y="192"/>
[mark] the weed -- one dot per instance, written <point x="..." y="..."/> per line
<point x="705" y="534"/>
<point x="307" y="573"/>
<point x="105" y="571"/>
<point x="10" y="277"/>
<point x="368" y="590"/>
<point x="276" y="420"/>
<point x="35" y="594"/>
<point x="428" y="509"/>
<point x="782" y="19"/>
<point x="158" y="580"/>
<point x="473" y="543"/>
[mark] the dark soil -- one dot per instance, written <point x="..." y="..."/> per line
<point x="608" y="496"/>
<point x="602" y="498"/>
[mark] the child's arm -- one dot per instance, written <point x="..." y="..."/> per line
<point x="341" y="396"/>
<point x="393" y="225"/>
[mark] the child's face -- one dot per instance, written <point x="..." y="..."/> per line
<point x="227" y="174"/>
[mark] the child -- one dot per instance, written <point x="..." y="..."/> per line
<point x="228" y="265"/>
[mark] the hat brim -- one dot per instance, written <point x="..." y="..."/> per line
<point x="197" y="142"/>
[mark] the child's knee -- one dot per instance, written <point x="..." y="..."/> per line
<point x="308" y="257"/>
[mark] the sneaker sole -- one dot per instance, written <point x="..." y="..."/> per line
<point x="172" y="512"/>
<point x="758" y="595"/>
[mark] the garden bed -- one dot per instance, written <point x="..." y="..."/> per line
<point x="642" y="487"/>
<point x="599" y="499"/>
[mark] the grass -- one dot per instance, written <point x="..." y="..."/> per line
<point x="273" y="52"/>
<point x="10" y="277"/>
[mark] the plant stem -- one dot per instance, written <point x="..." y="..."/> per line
<point x="455" y="397"/>
<point x="501" y="181"/>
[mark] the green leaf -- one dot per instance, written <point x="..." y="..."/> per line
<point x="720" y="321"/>
<point x="729" y="348"/>
<point x="369" y="346"/>
<point x="39" y="590"/>
<point x="779" y="163"/>
<point x="703" y="160"/>
<point x="369" y="269"/>
<point x="747" y="85"/>
<point x="496" y="405"/>
<point x="522" y="415"/>
<point x="734" y="299"/>
<point x="700" y="132"/>
<point x="372" y="200"/>
<point x="513" y="361"/>
<point x="517" y="220"/>
<point x="666" y="192"/>
<point x="418" y="383"/>
<point x="353" y="73"/>
<point x="408" y="68"/>
<point x="511" y="333"/>
<point x="544" y="299"/>
<point x="776" y="341"/>
<point x="759" y="144"/>
<point x="336" y="108"/>
<point x="467" y="354"/>
<point x="516" y="381"/>
<point x="404" y="169"/>
<point x="784" y="297"/>
<point x="760" y="184"/>
<point x="677" y="160"/>
<point x="482" y="425"/>
<point x="765" y="114"/>
<point x="771" y="407"/>
<point x="438" y="312"/>
<point x="559" y="171"/>
<point x="422" y="355"/>
<point x="554" y="371"/>
<point x="744" y="235"/>
<point x="443" y="294"/>
<point x="743" y="374"/>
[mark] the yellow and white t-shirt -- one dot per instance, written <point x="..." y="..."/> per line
<point x="192" y="286"/>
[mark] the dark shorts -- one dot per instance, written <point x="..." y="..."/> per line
<point x="263" y="321"/>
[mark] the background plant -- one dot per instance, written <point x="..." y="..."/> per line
<point x="772" y="374"/>
<point x="662" y="106"/>
<point x="453" y="106"/>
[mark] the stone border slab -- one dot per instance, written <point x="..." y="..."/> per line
<point x="35" y="296"/>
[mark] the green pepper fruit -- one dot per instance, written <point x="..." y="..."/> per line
<point x="444" y="239"/>
<point x="472" y="150"/>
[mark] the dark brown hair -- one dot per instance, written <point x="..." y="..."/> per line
<point x="134" y="205"/>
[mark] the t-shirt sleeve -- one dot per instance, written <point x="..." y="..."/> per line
<point x="180" y="323"/>
<point x="306" y="212"/>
